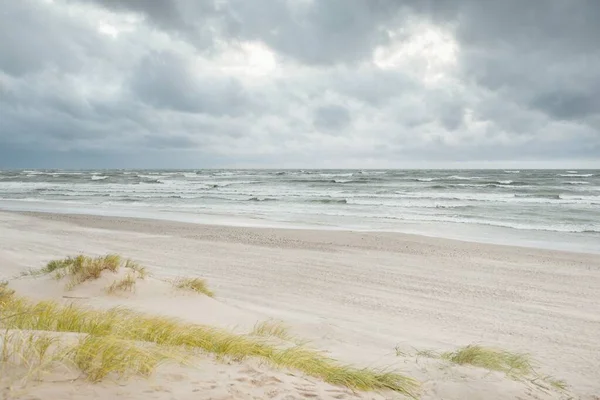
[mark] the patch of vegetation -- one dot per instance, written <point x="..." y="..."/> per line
<point x="195" y="284"/>
<point x="29" y="349"/>
<point x="426" y="353"/>
<point x="141" y="272"/>
<point x="126" y="284"/>
<point x="513" y="364"/>
<point x="82" y="268"/>
<point x="271" y="329"/>
<point x="556" y="383"/>
<point x="120" y="338"/>
<point x="5" y="292"/>
<point x="99" y="356"/>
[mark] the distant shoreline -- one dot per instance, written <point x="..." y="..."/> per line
<point x="233" y="231"/>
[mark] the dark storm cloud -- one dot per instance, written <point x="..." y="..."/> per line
<point x="164" y="81"/>
<point x="544" y="56"/>
<point x="319" y="32"/>
<point x="282" y="81"/>
<point x="164" y="13"/>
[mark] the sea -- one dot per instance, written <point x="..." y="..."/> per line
<point x="541" y="208"/>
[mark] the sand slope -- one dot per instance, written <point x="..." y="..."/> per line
<point x="356" y="295"/>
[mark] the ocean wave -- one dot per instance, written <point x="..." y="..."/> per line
<point x="513" y="172"/>
<point x="552" y="196"/>
<point x="464" y="178"/>
<point x="262" y="199"/>
<point x="573" y="175"/>
<point x="576" y="183"/>
<point x="501" y="224"/>
<point x="425" y="179"/>
<point x="329" y="201"/>
<point x="99" y="177"/>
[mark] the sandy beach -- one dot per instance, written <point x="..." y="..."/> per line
<point x="370" y="299"/>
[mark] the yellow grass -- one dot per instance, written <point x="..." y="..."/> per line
<point x="113" y="331"/>
<point x="82" y="268"/>
<point x="195" y="284"/>
<point x="513" y="364"/>
<point x="5" y="291"/>
<point x="99" y="356"/>
<point x="271" y="329"/>
<point x="95" y="356"/>
<point x="141" y="272"/>
<point x="126" y="284"/>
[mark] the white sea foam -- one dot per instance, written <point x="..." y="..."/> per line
<point x="536" y="199"/>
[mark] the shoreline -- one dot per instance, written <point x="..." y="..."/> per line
<point x="359" y="295"/>
<point x="307" y="238"/>
<point x="481" y="234"/>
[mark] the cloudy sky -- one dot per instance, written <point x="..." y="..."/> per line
<point x="299" y="83"/>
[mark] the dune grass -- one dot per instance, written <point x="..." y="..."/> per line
<point x="141" y="272"/>
<point x="94" y="356"/>
<point x="271" y="329"/>
<point x="99" y="356"/>
<point x="513" y="364"/>
<point x="29" y="350"/>
<point x="5" y="291"/>
<point x="126" y="284"/>
<point x="82" y="268"/>
<point x="119" y="328"/>
<point x="194" y="284"/>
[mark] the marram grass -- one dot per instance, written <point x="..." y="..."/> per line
<point x="141" y="272"/>
<point x="99" y="356"/>
<point x="82" y="268"/>
<point x="94" y="356"/>
<point x="271" y="329"/>
<point x="110" y="346"/>
<point x="514" y="364"/>
<point x="125" y="284"/>
<point x="194" y="284"/>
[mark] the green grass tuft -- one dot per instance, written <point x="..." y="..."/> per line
<point x="557" y="383"/>
<point x="513" y="364"/>
<point x="82" y="268"/>
<point x="195" y="284"/>
<point x="271" y="329"/>
<point x="141" y="272"/>
<point x="6" y="293"/>
<point x="126" y="284"/>
<point x="99" y="356"/>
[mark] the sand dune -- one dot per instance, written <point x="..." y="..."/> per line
<point x="371" y="299"/>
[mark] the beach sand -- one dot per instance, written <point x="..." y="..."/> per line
<point x="362" y="297"/>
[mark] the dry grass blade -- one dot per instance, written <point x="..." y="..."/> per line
<point x="195" y="284"/>
<point x="513" y="364"/>
<point x="127" y="284"/>
<point x="6" y="293"/>
<point x="141" y="272"/>
<point x="82" y="268"/>
<point x="271" y="329"/>
<point x="99" y="356"/>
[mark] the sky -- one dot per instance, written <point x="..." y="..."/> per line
<point x="299" y="84"/>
